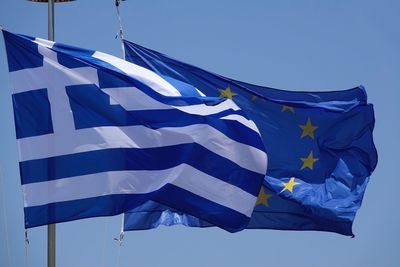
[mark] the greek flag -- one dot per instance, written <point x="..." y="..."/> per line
<point x="98" y="136"/>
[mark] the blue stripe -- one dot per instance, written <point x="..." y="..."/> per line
<point x="91" y="108"/>
<point x="111" y="205"/>
<point x="68" y="61"/>
<point x="197" y="206"/>
<point x="184" y="88"/>
<point x="152" y="214"/>
<point x="79" y="209"/>
<point x="119" y="159"/>
<point x="145" y="220"/>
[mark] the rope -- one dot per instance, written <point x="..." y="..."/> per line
<point x="118" y="256"/>
<point x="5" y="219"/>
<point x="121" y="37"/>
<point x="120" y="33"/>
<point x="122" y="233"/>
<point x="26" y="247"/>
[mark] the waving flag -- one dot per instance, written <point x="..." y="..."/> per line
<point x="98" y="136"/>
<point x="319" y="145"/>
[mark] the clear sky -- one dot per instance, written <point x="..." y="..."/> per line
<point x="294" y="45"/>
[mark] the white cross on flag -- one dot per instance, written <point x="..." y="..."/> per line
<point x="98" y="136"/>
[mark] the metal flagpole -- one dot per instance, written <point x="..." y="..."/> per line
<point x="51" y="20"/>
<point x="51" y="228"/>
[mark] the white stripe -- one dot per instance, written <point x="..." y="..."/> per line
<point x="131" y="98"/>
<point x="151" y="79"/>
<point x="139" y="182"/>
<point x="204" y="110"/>
<point x="29" y="79"/>
<point x="200" y="92"/>
<point x="44" y="42"/>
<point x="92" y="139"/>
<point x="248" y="123"/>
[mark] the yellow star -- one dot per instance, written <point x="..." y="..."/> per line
<point x="227" y="93"/>
<point x="309" y="161"/>
<point x="263" y="198"/>
<point x="254" y="98"/>
<point x="308" y="129"/>
<point x="289" y="185"/>
<point x="284" y="108"/>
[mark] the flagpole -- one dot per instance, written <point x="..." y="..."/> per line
<point x="51" y="20"/>
<point x="51" y="228"/>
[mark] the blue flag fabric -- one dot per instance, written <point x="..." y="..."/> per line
<point x="320" y="149"/>
<point x="98" y="136"/>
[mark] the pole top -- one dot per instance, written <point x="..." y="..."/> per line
<point x="118" y="2"/>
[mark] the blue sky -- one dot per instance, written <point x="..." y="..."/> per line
<point x="316" y="45"/>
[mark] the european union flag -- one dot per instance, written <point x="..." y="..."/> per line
<point x="319" y="144"/>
